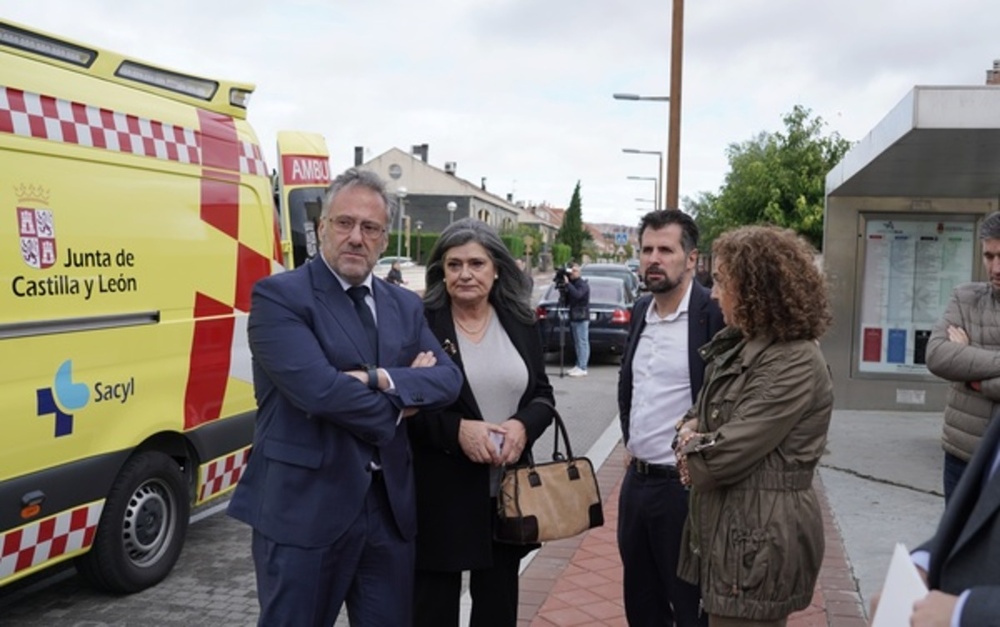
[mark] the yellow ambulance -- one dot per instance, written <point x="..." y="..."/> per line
<point x="139" y="214"/>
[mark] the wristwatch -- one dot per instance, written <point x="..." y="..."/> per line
<point x="372" y="377"/>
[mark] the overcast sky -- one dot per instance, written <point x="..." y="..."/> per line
<point x="519" y="91"/>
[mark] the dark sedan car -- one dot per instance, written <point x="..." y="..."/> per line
<point x="610" y="311"/>
<point x="619" y="270"/>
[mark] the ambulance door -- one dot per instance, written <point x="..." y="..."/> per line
<point x="303" y="175"/>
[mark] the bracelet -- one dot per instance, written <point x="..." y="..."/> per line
<point x="373" y="377"/>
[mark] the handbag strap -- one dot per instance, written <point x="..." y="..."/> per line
<point x="560" y="429"/>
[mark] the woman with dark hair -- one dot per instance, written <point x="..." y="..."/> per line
<point x="476" y="303"/>
<point x="749" y="447"/>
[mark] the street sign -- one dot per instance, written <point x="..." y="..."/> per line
<point x="621" y="238"/>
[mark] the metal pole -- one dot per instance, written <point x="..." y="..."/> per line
<point x="674" y="139"/>
<point x="659" y="187"/>
<point x="399" y="230"/>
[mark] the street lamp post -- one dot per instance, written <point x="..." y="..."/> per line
<point x="656" y="183"/>
<point x="659" y="170"/>
<point x="420" y="226"/>
<point x="674" y="128"/>
<point x="401" y="195"/>
<point x="452" y="206"/>
<point x="674" y="121"/>
<point x="638" y="97"/>
<point x="672" y="161"/>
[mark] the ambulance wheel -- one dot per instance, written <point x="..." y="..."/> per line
<point x="142" y="528"/>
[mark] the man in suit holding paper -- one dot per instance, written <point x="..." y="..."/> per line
<point x="339" y="359"/>
<point x="961" y="563"/>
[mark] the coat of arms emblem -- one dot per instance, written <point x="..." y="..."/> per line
<point x="38" y="237"/>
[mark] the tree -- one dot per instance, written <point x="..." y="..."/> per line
<point x="776" y="178"/>
<point x="572" y="233"/>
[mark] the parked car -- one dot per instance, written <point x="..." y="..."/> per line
<point x="386" y="262"/>
<point x="611" y="303"/>
<point x="618" y="270"/>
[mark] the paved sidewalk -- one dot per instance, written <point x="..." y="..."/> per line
<point x="578" y="581"/>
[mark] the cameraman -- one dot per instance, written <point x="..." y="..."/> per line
<point x="577" y="293"/>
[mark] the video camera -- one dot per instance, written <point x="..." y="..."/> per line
<point x="561" y="277"/>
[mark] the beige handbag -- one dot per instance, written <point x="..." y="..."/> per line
<point x="549" y="501"/>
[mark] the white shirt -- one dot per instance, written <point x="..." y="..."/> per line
<point x="369" y="297"/>
<point x="661" y="384"/>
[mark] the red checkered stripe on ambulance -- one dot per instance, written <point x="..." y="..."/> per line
<point x="40" y="116"/>
<point x="36" y="543"/>
<point x="44" y="117"/>
<point x="222" y="474"/>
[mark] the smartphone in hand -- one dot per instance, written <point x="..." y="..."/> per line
<point x="497" y="440"/>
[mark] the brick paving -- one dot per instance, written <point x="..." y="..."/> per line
<point x="578" y="581"/>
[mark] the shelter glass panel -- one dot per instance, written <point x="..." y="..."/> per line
<point x="909" y="270"/>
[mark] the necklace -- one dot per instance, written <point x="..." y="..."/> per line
<point x="471" y="332"/>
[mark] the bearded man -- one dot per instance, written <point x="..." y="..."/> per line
<point x="661" y="374"/>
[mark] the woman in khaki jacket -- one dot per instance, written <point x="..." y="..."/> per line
<point x="749" y="447"/>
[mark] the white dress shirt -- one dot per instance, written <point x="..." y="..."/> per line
<point x="661" y="384"/>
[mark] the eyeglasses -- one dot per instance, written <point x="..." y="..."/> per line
<point x="345" y="226"/>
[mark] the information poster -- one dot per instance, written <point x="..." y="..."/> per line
<point x="911" y="268"/>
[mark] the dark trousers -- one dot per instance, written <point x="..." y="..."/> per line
<point x="370" y="567"/>
<point x="953" y="470"/>
<point x="493" y="590"/>
<point x="651" y="515"/>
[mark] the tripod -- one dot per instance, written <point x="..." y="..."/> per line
<point x="562" y="309"/>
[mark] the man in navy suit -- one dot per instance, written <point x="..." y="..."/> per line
<point x="660" y="377"/>
<point x="339" y="360"/>
<point x="961" y="563"/>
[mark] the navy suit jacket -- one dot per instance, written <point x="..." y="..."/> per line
<point x="965" y="551"/>
<point x="704" y="321"/>
<point x="317" y="428"/>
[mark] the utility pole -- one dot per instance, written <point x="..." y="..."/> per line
<point x="674" y="132"/>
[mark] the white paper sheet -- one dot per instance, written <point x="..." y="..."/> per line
<point x="902" y="588"/>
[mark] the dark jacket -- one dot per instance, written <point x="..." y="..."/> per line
<point x="454" y="514"/>
<point x="965" y="551"/>
<point x="394" y="276"/>
<point x="753" y="540"/>
<point x="704" y="321"/>
<point x="578" y="299"/>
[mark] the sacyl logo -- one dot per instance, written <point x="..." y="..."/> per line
<point x="63" y="395"/>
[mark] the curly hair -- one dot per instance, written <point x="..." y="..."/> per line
<point x="511" y="291"/>
<point x="776" y="286"/>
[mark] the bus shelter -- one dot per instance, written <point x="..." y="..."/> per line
<point x="900" y="232"/>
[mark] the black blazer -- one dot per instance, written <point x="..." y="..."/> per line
<point x="704" y="321"/>
<point x="965" y="551"/>
<point x="454" y="514"/>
